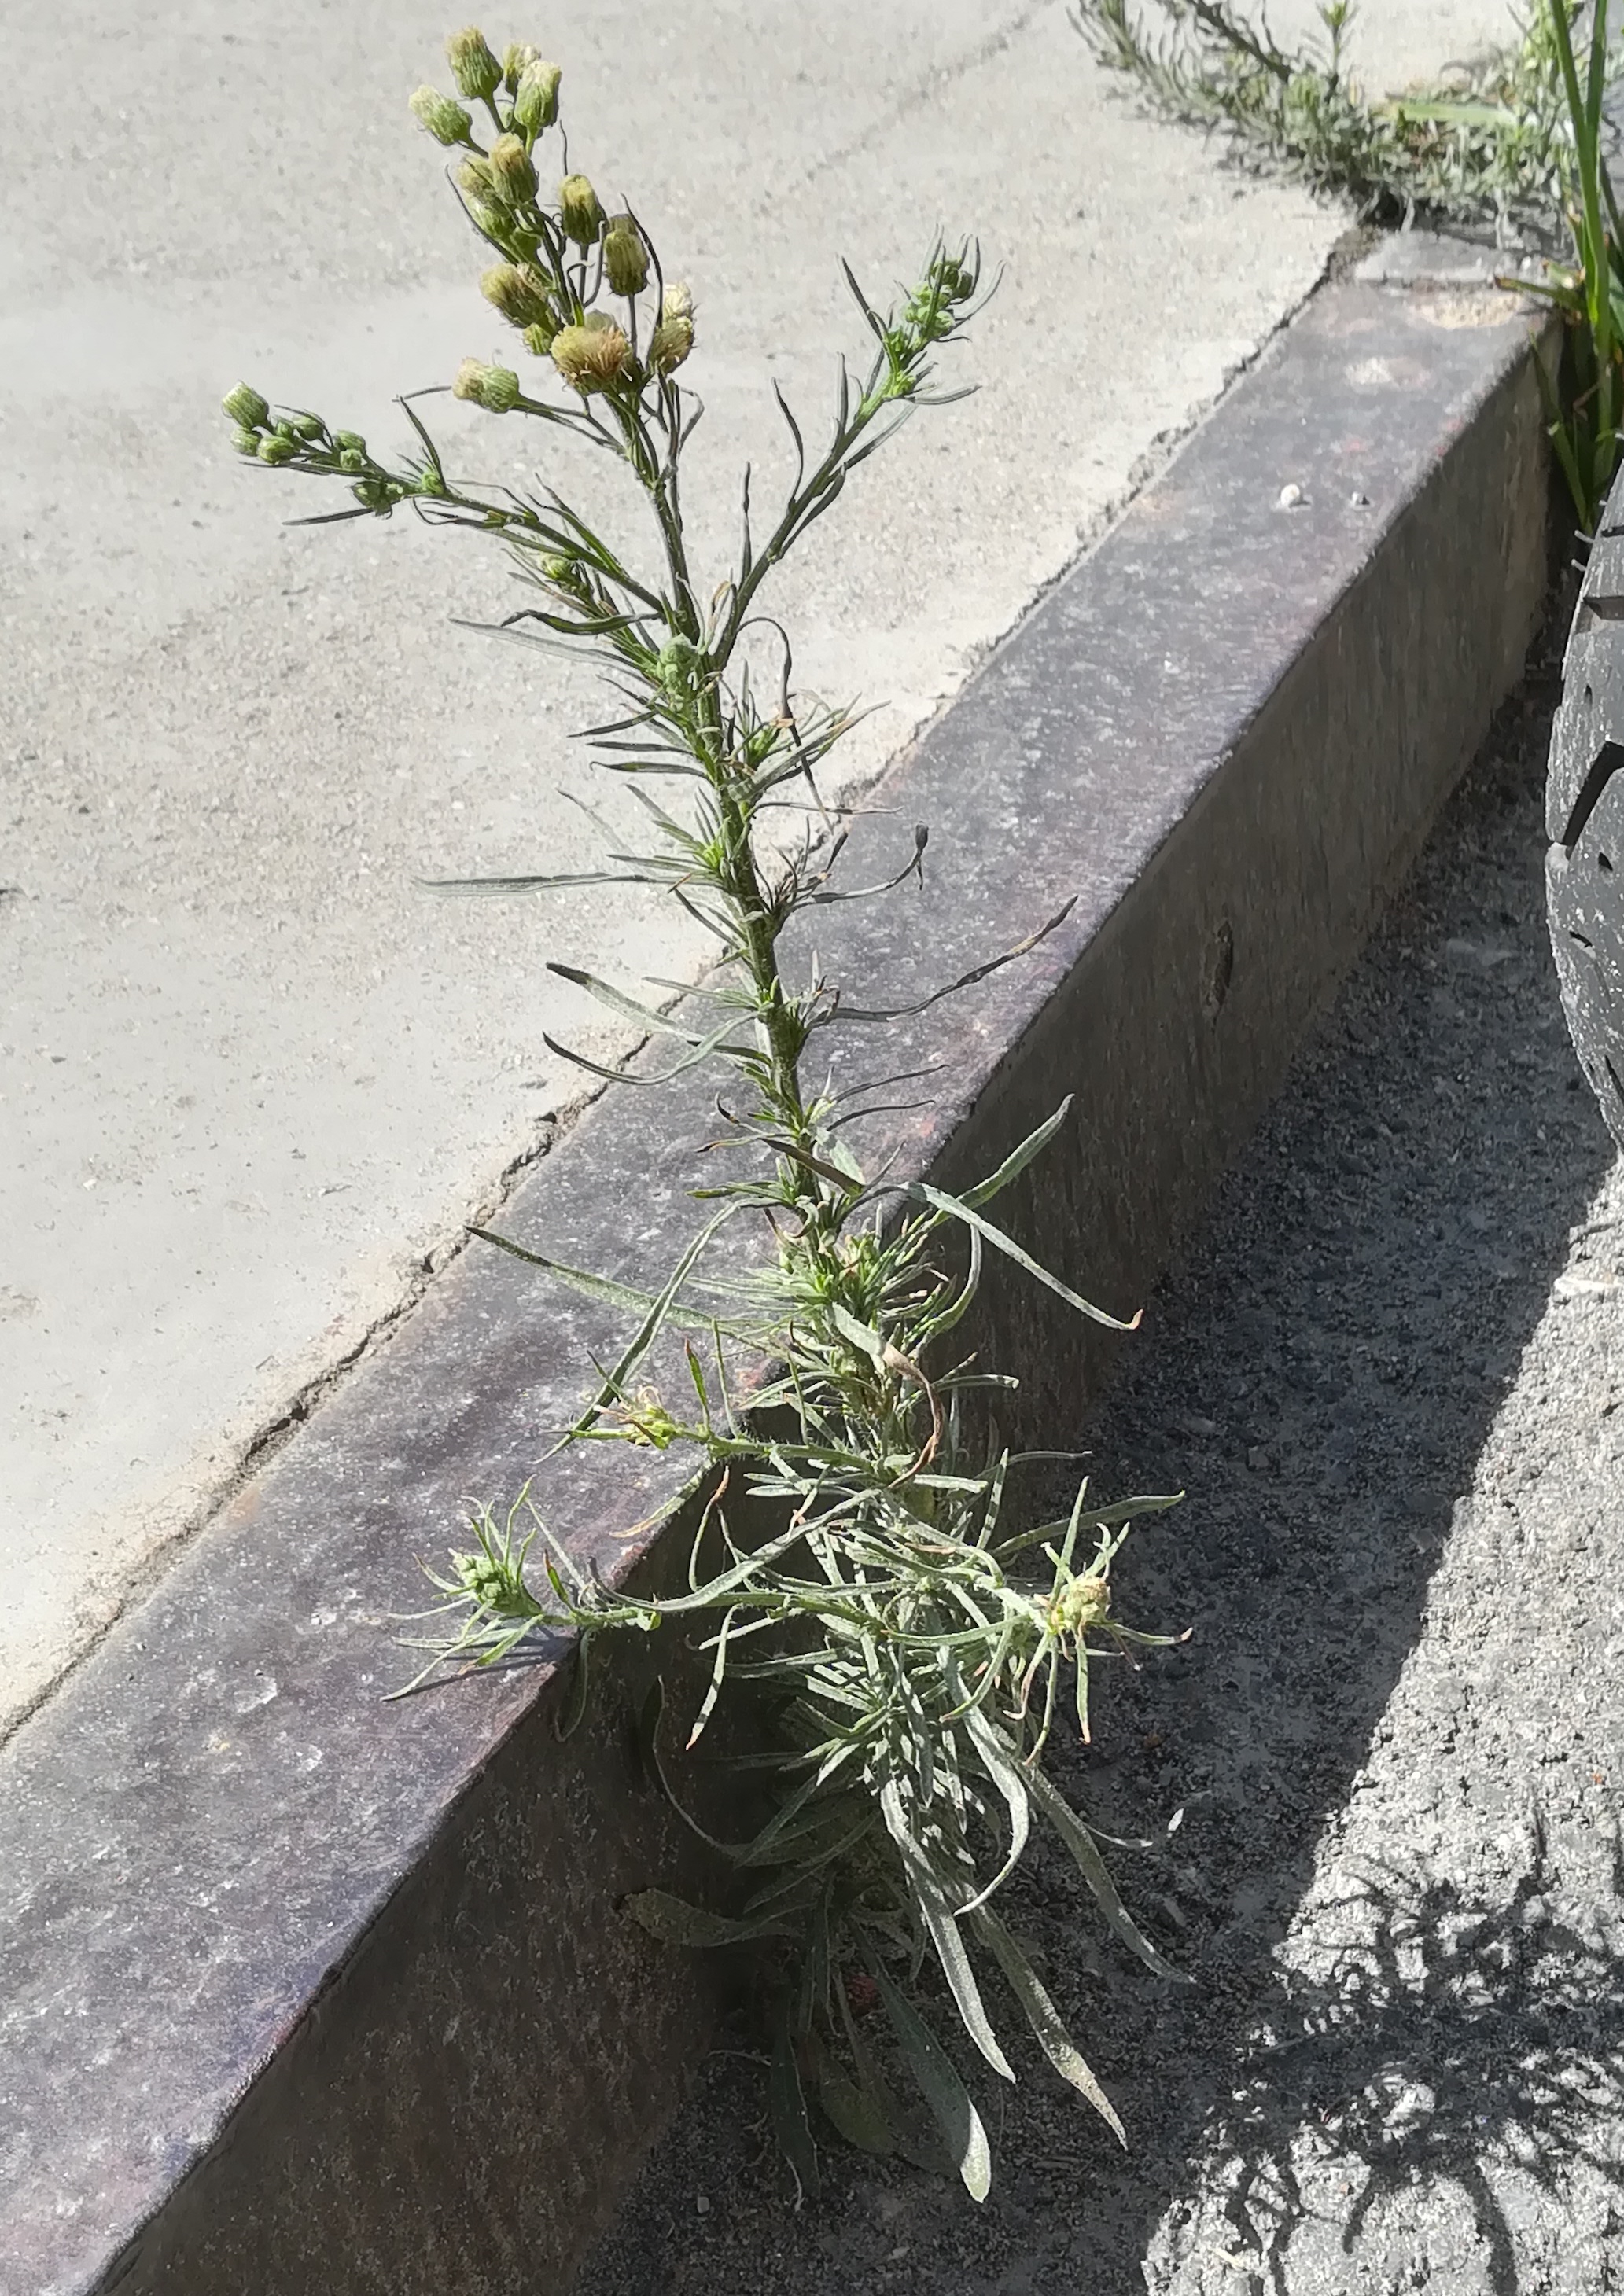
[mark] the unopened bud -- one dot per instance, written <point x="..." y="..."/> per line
<point x="496" y="388"/>
<point x="592" y="355"/>
<point x="519" y="294"/>
<point x="246" y="407"/>
<point x="276" y="448"/>
<point x="352" y="459"/>
<point x="247" y="442"/>
<point x="516" y="58"/>
<point x="536" y="97"/>
<point x="669" y="344"/>
<point x="538" y="338"/>
<point x="626" y="259"/>
<point x="446" y="120"/>
<point x="578" y="211"/>
<point x="475" y="69"/>
<point x="349" y="442"/>
<point x="474" y="177"/>
<point x="510" y="172"/>
<point x="307" y="426"/>
<point x="376" y="494"/>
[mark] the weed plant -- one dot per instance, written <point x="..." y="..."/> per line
<point x="913" y="1638"/>
<point x="1512" y="141"/>
<point x="1485" y="146"/>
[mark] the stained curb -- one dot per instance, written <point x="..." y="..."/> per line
<point x="304" y="1990"/>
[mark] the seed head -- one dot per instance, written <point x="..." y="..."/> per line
<point x="510" y="172"/>
<point x="445" y="119"/>
<point x="578" y="210"/>
<point x="536" y="97"/>
<point x="519" y="294"/>
<point x="592" y="355"/>
<point x="276" y="448"/>
<point x="496" y="388"/>
<point x="246" y="407"/>
<point x="626" y="258"/>
<point x="475" y="69"/>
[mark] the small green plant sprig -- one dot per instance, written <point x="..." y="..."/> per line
<point x="1584" y="398"/>
<point x="1515" y="142"/>
<point x="1486" y="146"/>
<point x="910" y="1637"/>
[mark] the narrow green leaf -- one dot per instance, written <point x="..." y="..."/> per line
<point x="1093" y="1870"/>
<point x="942" y="2090"/>
<point x="853" y="2110"/>
<point x="1046" y="2020"/>
<point x="674" y="1922"/>
<point x="1017" y="1160"/>
<point x="788" y="2106"/>
<point x="955" y="1207"/>
<point x="944" y="1931"/>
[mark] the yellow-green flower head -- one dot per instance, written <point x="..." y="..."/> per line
<point x="516" y="58"/>
<point x="519" y="294"/>
<point x="473" y="67"/>
<point x="578" y="211"/>
<point x="626" y="258"/>
<point x="474" y="177"/>
<point x="511" y="171"/>
<point x="536" y="97"/>
<point x="592" y="356"/>
<point x="496" y="388"/>
<point x="1082" y="1603"/>
<point x="678" y="302"/>
<point x="446" y="120"/>
<point x="246" y="408"/>
<point x="669" y="344"/>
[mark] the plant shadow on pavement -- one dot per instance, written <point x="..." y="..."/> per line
<point x="1321" y="1373"/>
<point x="1444" y="2033"/>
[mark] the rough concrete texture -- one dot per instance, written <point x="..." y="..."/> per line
<point x="1389" y="1376"/>
<point x="253" y="1078"/>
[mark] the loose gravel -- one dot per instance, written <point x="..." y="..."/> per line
<point x="1390" y="1374"/>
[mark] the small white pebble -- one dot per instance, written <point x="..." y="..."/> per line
<point x="1356" y="501"/>
<point x="1291" y="496"/>
<point x="701" y="2206"/>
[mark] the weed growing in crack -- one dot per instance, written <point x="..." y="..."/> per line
<point x="1486" y="146"/>
<point x="912" y="1636"/>
<point x="1512" y="141"/>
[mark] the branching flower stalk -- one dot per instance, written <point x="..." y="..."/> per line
<point x="910" y="1636"/>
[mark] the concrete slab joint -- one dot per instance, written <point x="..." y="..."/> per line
<point x="308" y="1992"/>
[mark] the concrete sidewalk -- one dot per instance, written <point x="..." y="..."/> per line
<point x="253" y="1080"/>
